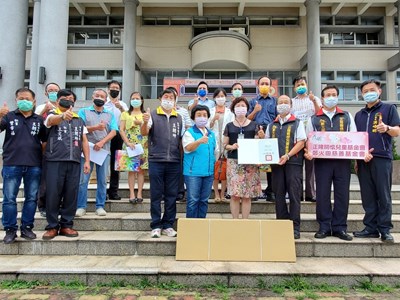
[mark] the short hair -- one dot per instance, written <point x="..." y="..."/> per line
<point x="199" y="108"/>
<point x="172" y="88"/>
<point x="100" y="90"/>
<point x="377" y="82"/>
<point x="299" y="78"/>
<point x="23" y="90"/>
<point x="277" y="100"/>
<point x="264" y="76"/>
<point x="237" y="83"/>
<point x="50" y="83"/>
<point x="219" y="90"/>
<point x="65" y="93"/>
<point x="114" y="82"/>
<point x="167" y="91"/>
<point x="202" y="82"/>
<point x="236" y="101"/>
<point x="328" y="87"/>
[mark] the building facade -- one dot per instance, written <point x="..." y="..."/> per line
<point x="148" y="44"/>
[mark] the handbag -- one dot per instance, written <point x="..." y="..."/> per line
<point x="220" y="168"/>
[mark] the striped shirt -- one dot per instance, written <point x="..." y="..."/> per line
<point x="303" y="108"/>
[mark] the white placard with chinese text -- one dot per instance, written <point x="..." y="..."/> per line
<point x="258" y="151"/>
<point x="338" y="145"/>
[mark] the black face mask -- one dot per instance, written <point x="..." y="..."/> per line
<point x="98" y="102"/>
<point x="114" y="93"/>
<point x="65" y="103"/>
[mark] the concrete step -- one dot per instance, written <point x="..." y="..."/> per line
<point x="129" y="243"/>
<point x="257" y="207"/>
<point x="124" y="191"/>
<point x="141" y="221"/>
<point x="92" y="270"/>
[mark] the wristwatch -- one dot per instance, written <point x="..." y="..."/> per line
<point x="288" y="156"/>
<point x="388" y="128"/>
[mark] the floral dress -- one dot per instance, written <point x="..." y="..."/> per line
<point x="243" y="180"/>
<point x="134" y="135"/>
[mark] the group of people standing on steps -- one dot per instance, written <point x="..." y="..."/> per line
<point x="181" y="148"/>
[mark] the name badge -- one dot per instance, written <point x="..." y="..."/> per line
<point x="241" y="136"/>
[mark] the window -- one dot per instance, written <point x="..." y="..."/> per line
<point x="89" y="38"/>
<point x="349" y="82"/>
<point x="152" y="82"/>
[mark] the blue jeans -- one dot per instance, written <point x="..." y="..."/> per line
<point x="164" y="181"/>
<point x="101" y="177"/>
<point x="12" y="176"/>
<point x="198" y="190"/>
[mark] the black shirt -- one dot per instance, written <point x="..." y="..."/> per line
<point x="22" y="142"/>
<point x="233" y="132"/>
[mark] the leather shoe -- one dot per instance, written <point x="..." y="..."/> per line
<point x="310" y="199"/>
<point x="270" y="197"/>
<point x="114" y="197"/>
<point x="68" y="232"/>
<point x="387" y="238"/>
<point x="50" y="234"/>
<point x="10" y="236"/>
<point x="27" y="233"/>
<point x="322" y="234"/>
<point x="366" y="234"/>
<point x="342" y="235"/>
<point x="296" y="234"/>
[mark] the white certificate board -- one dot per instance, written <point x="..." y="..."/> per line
<point x="258" y="151"/>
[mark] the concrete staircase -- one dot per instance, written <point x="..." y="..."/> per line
<point x="119" y="247"/>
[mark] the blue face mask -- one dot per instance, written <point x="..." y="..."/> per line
<point x="136" y="103"/>
<point x="330" y="102"/>
<point x="53" y="96"/>
<point x="301" y="90"/>
<point x="202" y="93"/>
<point x="24" y="105"/>
<point x="371" y="97"/>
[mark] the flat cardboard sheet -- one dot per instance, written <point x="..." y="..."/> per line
<point x="235" y="240"/>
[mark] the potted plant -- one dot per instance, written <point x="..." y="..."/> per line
<point x="396" y="164"/>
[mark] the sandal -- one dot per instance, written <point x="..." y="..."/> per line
<point x="136" y="200"/>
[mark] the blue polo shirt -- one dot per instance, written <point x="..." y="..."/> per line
<point x="23" y="139"/>
<point x="268" y="112"/>
<point x="92" y="117"/>
<point x="209" y="103"/>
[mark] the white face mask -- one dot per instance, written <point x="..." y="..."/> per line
<point x="167" y="104"/>
<point x="220" y="101"/>
<point x="240" y="111"/>
<point x="283" y="109"/>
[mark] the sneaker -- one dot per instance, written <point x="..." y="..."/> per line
<point x="27" y="233"/>
<point x="156" y="233"/>
<point x="101" y="212"/>
<point x="169" y="232"/>
<point x="80" y="212"/>
<point x="42" y="213"/>
<point x="10" y="236"/>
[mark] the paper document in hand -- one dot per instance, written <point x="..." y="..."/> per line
<point x="98" y="157"/>
<point x="258" y="151"/>
<point x="135" y="152"/>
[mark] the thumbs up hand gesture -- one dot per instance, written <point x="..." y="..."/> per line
<point x="68" y="115"/>
<point x="146" y="116"/>
<point x="101" y="125"/>
<point x="4" y="110"/>
<point x="381" y="127"/>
